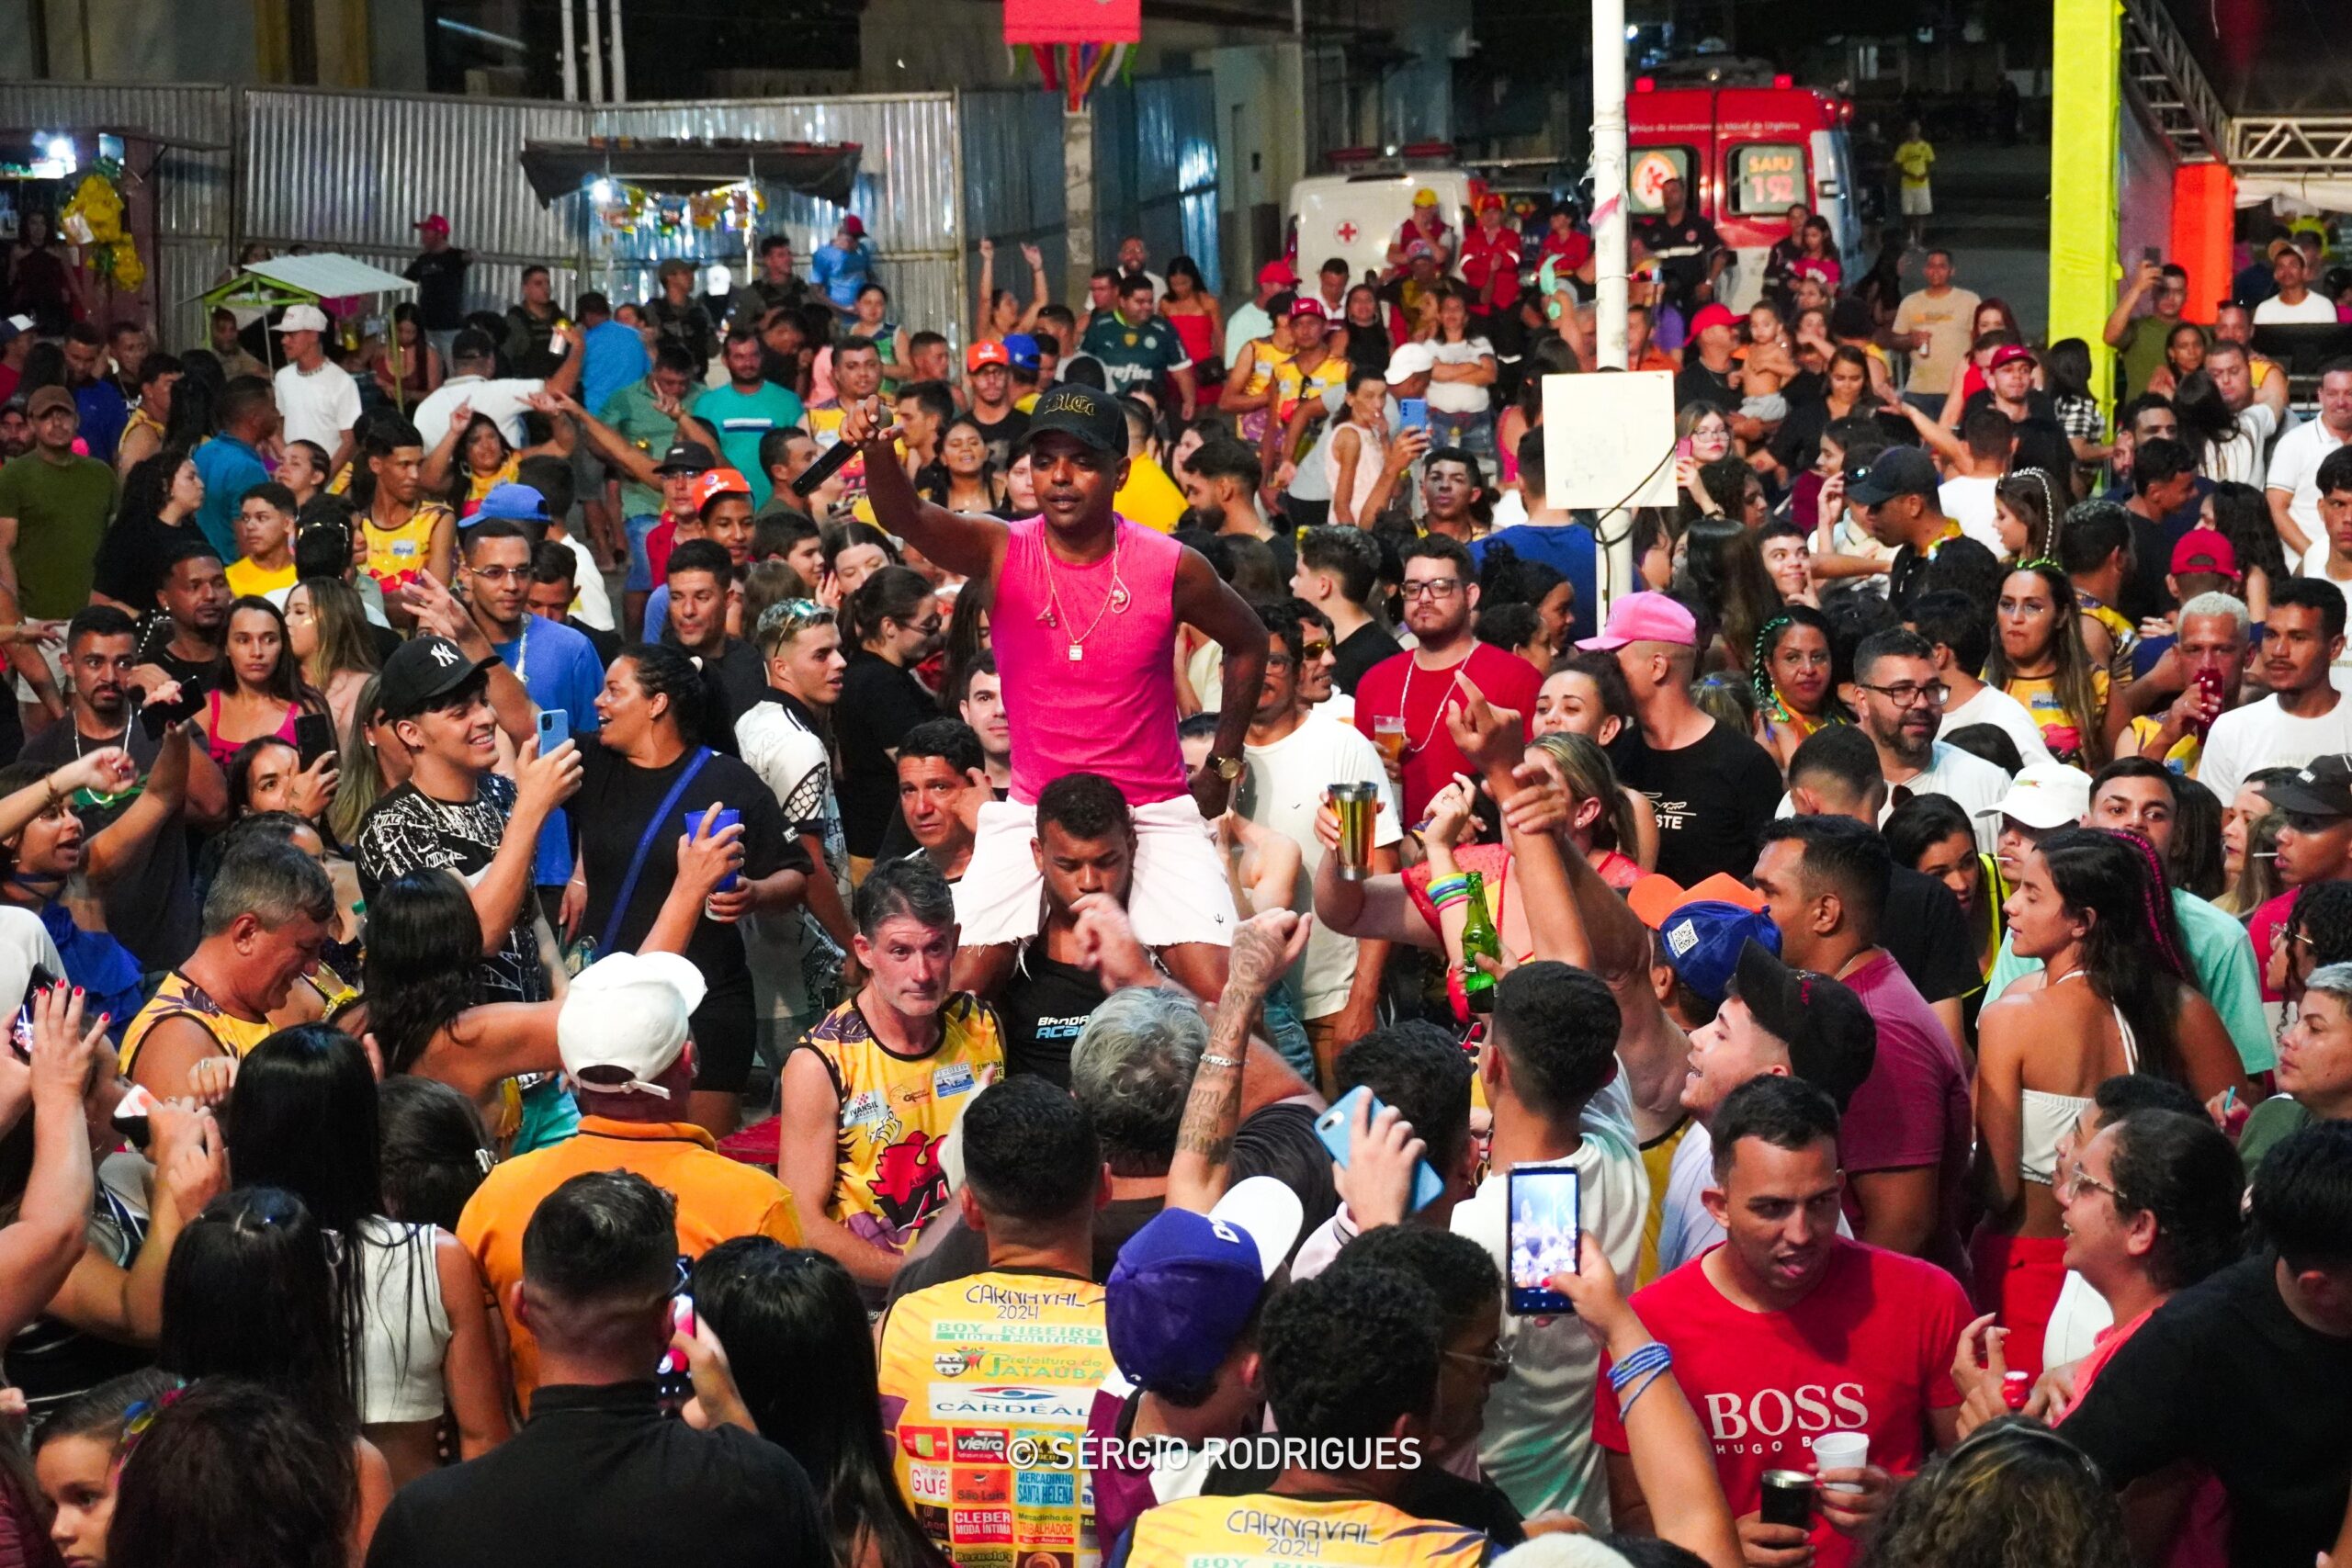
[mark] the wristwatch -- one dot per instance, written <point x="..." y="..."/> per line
<point x="1227" y="768"/>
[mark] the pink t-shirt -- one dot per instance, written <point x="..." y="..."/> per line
<point x="1870" y="1350"/>
<point x="1913" y="1109"/>
<point x="1112" y="711"/>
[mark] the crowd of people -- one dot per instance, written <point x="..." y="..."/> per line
<point x="665" y="929"/>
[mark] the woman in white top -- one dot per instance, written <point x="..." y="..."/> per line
<point x="1460" y="396"/>
<point x="1360" y="464"/>
<point x="2112" y="995"/>
<point x="305" y="1112"/>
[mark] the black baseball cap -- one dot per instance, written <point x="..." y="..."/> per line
<point x="1092" y="417"/>
<point x="1876" y="478"/>
<point x="2324" y="788"/>
<point x="1831" y="1037"/>
<point x="421" y="671"/>
<point x="686" y="458"/>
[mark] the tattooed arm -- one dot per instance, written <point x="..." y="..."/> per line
<point x="1265" y="947"/>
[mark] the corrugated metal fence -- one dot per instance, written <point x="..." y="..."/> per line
<point x="355" y="171"/>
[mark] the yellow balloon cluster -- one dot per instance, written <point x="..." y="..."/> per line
<point x="95" y="211"/>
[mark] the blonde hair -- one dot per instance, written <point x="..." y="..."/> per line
<point x="1591" y="777"/>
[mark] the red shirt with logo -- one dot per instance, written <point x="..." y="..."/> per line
<point x="1496" y="255"/>
<point x="1870" y="1350"/>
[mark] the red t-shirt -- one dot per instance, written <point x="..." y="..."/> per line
<point x="658" y="546"/>
<point x="1913" y="1109"/>
<point x="1870" y="1350"/>
<point x="1573" y="249"/>
<point x="1497" y="254"/>
<point x="1395" y="685"/>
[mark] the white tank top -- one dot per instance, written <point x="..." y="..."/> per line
<point x="404" y="1334"/>
<point x="2047" y="1117"/>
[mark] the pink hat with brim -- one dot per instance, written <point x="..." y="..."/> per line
<point x="1644" y="618"/>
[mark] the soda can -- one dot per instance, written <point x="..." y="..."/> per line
<point x="1355" y="805"/>
<point x="1788" y="1498"/>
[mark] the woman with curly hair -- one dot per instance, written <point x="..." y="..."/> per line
<point x="1795" y="680"/>
<point x="2013" y="1495"/>
<point x="2038" y="658"/>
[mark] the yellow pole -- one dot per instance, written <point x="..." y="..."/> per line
<point x="2086" y="99"/>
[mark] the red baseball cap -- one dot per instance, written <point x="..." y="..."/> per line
<point x="2205" y="549"/>
<point x="987" y="351"/>
<point x="1716" y="315"/>
<point x="435" y="224"/>
<point x="854" y="224"/>
<point x="1309" y="305"/>
<point x="2010" y="353"/>
<point x="1278" y="273"/>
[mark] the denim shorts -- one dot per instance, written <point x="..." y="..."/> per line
<point x="641" y="565"/>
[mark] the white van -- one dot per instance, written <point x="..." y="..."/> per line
<point x="1353" y="217"/>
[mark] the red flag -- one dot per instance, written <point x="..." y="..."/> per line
<point x="1073" y="21"/>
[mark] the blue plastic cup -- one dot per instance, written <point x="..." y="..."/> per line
<point x="728" y="818"/>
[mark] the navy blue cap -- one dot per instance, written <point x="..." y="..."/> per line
<point x="1702" y="940"/>
<point x="1186" y="1285"/>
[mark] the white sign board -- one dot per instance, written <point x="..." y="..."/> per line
<point x="1607" y="437"/>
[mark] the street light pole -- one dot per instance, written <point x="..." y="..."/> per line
<point x="1614" y="528"/>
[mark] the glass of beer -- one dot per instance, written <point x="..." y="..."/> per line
<point x="1388" y="734"/>
<point x="1356" y="804"/>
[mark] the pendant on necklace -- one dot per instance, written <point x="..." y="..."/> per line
<point x="1118" y="598"/>
<point x="1046" y="616"/>
<point x="1076" y="653"/>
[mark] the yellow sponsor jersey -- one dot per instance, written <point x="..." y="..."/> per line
<point x="1262" y="1530"/>
<point x="986" y="1382"/>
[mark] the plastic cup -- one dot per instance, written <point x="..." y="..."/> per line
<point x="1388" y="734"/>
<point x="728" y="818"/>
<point x="1841" y="1450"/>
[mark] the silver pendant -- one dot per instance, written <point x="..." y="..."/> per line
<point x="1046" y="616"/>
<point x="1118" y="598"/>
<point x="1076" y="653"/>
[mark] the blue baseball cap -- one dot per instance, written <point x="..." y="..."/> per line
<point x="1186" y="1284"/>
<point x="1702" y="941"/>
<point x="516" y="503"/>
<point x="1021" y="349"/>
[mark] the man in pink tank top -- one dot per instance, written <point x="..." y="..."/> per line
<point x="1084" y="631"/>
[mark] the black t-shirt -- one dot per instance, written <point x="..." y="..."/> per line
<point x="440" y="279"/>
<point x="1697" y="384"/>
<point x="408" y="829"/>
<point x="2041" y="408"/>
<point x="1005" y="437"/>
<point x="879" y="703"/>
<point x="135" y="556"/>
<point x="606" y="644"/>
<point x="1925" y="933"/>
<point x="2223" y="1375"/>
<point x="151" y="904"/>
<point x="1683" y="249"/>
<point x="1354" y="655"/>
<point x="614" y="808"/>
<point x="1044" y="1004"/>
<point x="530" y="342"/>
<point x="1278" y="1141"/>
<point x="743" y="679"/>
<point x="1713" y="798"/>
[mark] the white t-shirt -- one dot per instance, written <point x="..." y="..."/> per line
<point x="2312" y="311"/>
<point x="1281" y="785"/>
<point x="505" y="401"/>
<point x="320" y="406"/>
<point x="1968" y="503"/>
<point x="591" y="603"/>
<point x="1460" y="396"/>
<point x="2081" y="1315"/>
<point x="1995" y="707"/>
<point x="1974" y="784"/>
<point x="792" y="761"/>
<point x="2294" y="467"/>
<point x="2260" y="735"/>
<point x="1537" y="1442"/>
<point x="2240" y="457"/>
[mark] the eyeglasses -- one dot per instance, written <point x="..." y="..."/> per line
<point x="1495" y="1362"/>
<point x="2079" y="1179"/>
<point x="1435" y="588"/>
<point x="928" y="628"/>
<point x="499" y="573"/>
<point x="1910" y="694"/>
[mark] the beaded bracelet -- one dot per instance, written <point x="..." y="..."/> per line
<point x="1625" y="1406"/>
<point x="1653" y="1357"/>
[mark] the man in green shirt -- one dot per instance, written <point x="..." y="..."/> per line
<point x="2139" y="341"/>
<point x="745" y="409"/>
<point x="53" y="510"/>
<point x="2136" y="794"/>
<point x="2314" y="1067"/>
<point x="1137" y="346"/>
<point x="645" y="414"/>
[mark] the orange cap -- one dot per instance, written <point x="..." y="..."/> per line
<point x="718" y="482"/>
<point x="1654" y="897"/>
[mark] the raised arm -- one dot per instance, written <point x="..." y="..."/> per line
<point x="961" y="542"/>
<point x="1265" y="947"/>
<point x="438" y="461"/>
<point x="1208" y="600"/>
<point x="39" y="1249"/>
<point x="125" y="839"/>
<point x="606" y="442"/>
<point x="2118" y="320"/>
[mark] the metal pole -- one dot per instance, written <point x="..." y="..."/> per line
<point x="596" y="55"/>
<point x="571" y="56"/>
<point x="1609" y="252"/>
<point x="620" y="54"/>
<point x="1078" y="197"/>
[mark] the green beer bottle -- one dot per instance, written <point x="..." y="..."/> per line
<point x="1478" y="936"/>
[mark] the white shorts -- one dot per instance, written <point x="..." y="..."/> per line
<point x="1918" y="201"/>
<point x="1178" y="893"/>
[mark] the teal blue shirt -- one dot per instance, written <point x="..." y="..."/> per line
<point x="742" y="420"/>
<point x="2221" y="954"/>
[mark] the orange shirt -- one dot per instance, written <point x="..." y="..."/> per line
<point x="717" y="1198"/>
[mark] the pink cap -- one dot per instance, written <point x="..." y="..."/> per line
<point x="436" y="225"/>
<point x="1278" y="273"/>
<point x="1644" y="618"/>
<point x="853" y="225"/>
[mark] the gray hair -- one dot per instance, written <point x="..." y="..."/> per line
<point x="2336" y="979"/>
<point x="2220" y="604"/>
<point x="271" y="880"/>
<point x="1132" y="1068"/>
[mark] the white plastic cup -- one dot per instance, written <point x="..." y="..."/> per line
<point x="1841" y="1450"/>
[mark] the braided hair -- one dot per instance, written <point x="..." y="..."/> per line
<point x="1759" y="670"/>
<point x="2032" y="496"/>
